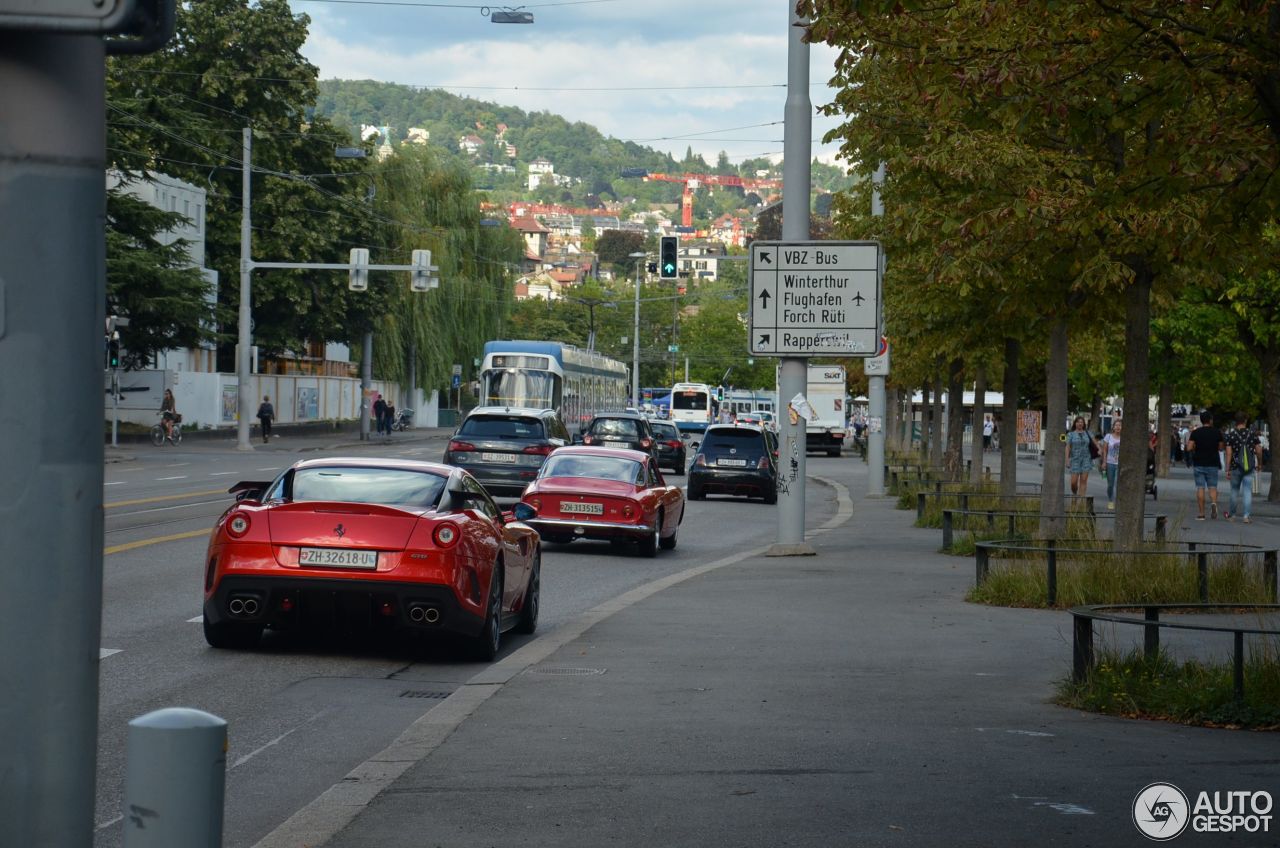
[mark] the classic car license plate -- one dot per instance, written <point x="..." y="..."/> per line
<point x="735" y="463"/>
<point x="338" y="558"/>
<point x="497" y="457"/>
<point x="582" y="508"/>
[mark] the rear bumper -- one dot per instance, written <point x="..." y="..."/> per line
<point x="502" y="480"/>
<point x="726" y="482"/>
<point x="332" y="604"/>
<point x="824" y="438"/>
<point x="590" y="529"/>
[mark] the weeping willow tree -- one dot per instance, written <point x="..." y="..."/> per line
<point x="424" y="202"/>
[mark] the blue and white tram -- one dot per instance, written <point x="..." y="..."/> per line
<point x="550" y="375"/>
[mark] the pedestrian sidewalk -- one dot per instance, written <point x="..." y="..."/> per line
<point x="852" y="698"/>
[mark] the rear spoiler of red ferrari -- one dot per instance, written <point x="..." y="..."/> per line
<point x="249" y="488"/>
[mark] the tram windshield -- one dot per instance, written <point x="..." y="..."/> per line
<point x="521" y="387"/>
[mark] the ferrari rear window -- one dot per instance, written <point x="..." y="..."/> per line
<point x="599" y="467"/>
<point x="502" y="427"/>
<point x="387" y="486"/>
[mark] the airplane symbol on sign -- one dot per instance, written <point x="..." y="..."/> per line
<point x="858" y="298"/>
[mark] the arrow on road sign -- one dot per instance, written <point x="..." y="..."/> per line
<point x="764" y="257"/>
<point x="764" y="298"/>
<point x="764" y="339"/>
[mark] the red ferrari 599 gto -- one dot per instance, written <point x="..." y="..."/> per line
<point x="410" y="546"/>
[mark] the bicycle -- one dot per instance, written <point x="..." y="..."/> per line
<point x="174" y="436"/>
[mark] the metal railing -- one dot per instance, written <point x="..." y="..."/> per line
<point x="1012" y="517"/>
<point x="1085" y="501"/>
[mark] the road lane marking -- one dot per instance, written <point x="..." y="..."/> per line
<point x="199" y="619"/>
<point x="179" y="477"/>
<point x="177" y="465"/>
<point x="249" y="756"/>
<point x="103" y="653"/>
<point x="161" y="498"/>
<point x="223" y="473"/>
<point x="117" y="483"/>
<point x="107" y="824"/>
<point x="268" y="468"/>
<point x="155" y="540"/>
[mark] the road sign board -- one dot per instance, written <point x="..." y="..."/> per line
<point x="811" y="298"/>
<point x="457" y="368"/>
<point x="878" y="365"/>
<point x="457" y="380"/>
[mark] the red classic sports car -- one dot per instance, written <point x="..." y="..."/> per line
<point x="605" y="493"/>
<point x="410" y="546"/>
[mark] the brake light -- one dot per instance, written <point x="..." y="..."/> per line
<point x="536" y="503"/>
<point x="457" y="446"/>
<point x="628" y="511"/>
<point x="238" y="525"/>
<point x="542" y="450"/>
<point x="674" y="444"/>
<point x="763" y="463"/>
<point x="588" y="440"/>
<point x="646" y="443"/>
<point x="701" y="460"/>
<point x="446" y="535"/>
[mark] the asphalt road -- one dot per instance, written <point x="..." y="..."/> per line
<point x="303" y="712"/>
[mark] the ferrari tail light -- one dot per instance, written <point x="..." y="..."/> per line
<point x="763" y="464"/>
<point x="238" y="525"/>
<point x="543" y="450"/>
<point x="701" y="461"/>
<point x="588" y="440"/>
<point x="536" y="503"/>
<point x="446" y="535"/>
<point x="628" y="511"/>
<point x="458" y="446"/>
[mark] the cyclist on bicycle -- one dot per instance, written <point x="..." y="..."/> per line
<point x="168" y="412"/>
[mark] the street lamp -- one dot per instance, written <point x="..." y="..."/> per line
<point x="635" y="335"/>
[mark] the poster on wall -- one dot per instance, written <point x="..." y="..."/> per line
<point x="308" y="403"/>
<point x="1029" y="427"/>
<point x="230" y="398"/>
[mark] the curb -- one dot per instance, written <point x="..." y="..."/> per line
<point x="322" y="819"/>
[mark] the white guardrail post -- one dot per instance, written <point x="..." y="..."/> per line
<point x="175" y="779"/>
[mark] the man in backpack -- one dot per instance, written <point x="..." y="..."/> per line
<point x="1244" y="452"/>
<point x="266" y="412"/>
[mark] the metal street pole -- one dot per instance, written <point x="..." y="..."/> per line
<point x="245" y="400"/>
<point x="635" y="336"/>
<point x="793" y="371"/>
<point x="366" y="385"/>
<point x="876" y="382"/>
<point x="52" y="311"/>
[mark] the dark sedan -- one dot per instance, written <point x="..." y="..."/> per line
<point x="735" y="459"/>
<point x="671" y="450"/>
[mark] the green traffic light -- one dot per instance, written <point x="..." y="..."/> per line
<point x="669" y="268"/>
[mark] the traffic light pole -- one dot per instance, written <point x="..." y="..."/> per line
<point x="52" y="312"/>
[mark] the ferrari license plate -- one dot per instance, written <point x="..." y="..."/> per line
<point x="582" y="508"/>
<point x="497" y="457"/>
<point x="338" y="558"/>
<point x="733" y="463"/>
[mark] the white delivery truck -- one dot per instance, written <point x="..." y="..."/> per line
<point x="826" y="394"/>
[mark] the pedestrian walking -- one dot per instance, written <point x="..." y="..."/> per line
<point x="1204" y="443"/>
<point x="390" y="413"/>
<point x="266" y="414"/>
<point x="988" y="427"/>
<point x="1184" y="433"/>
<point x="379" y="412"/>
<point x="1081" y="451"/>
<point x="169" y="413"/>
<point x="1244" y="453"/>
<point x="1111" y="461"/>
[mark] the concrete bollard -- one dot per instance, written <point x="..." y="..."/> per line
<point x="175" y="779"/>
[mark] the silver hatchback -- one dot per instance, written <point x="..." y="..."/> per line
<point x="504" y="447"/>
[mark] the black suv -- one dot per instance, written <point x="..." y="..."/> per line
<point x="670" y="446"/>
<point x="620" y="430"/>
<point x="735" y="459"/>
<point x="504" y="447"/>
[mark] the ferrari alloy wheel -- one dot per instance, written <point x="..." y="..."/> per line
<point x="528" y="621"/>
<point x="490" y="639"/>
<point x="669" y="542"/>
<point x="649" y="544"/>
<point x="230" y="634"/>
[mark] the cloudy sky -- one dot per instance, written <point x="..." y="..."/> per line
<point x="669" y="74"/>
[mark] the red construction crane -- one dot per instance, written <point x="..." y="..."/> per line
<point x="692" y="182"/>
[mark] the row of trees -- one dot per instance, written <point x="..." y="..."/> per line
<point x="181" y="111"/>
<point x="1092" y="185"/>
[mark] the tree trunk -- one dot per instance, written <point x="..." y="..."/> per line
<point x="1053" y="523"/>
<point x="890" y="424"/>
<point x="1095" y="416"/>
<point x="926" y="414"/>
<point x="954" y="461"/>
<point x="909" y="420"/>
<point x="935" y="423"/>
<point x="976" y="455"/>
<point x="1271" y="397"/>
<point x="1131" y="492"/>
<point x="1009" y="419"/>
<point x="1164" y="424"/>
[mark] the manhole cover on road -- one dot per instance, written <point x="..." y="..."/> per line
<point x="414" y="693"/>
<point x="567" y="672"/>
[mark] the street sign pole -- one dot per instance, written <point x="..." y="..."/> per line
<point x="52" y="311"/>
<point x="793" y="372"/>
<point x="876" y="377"/>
